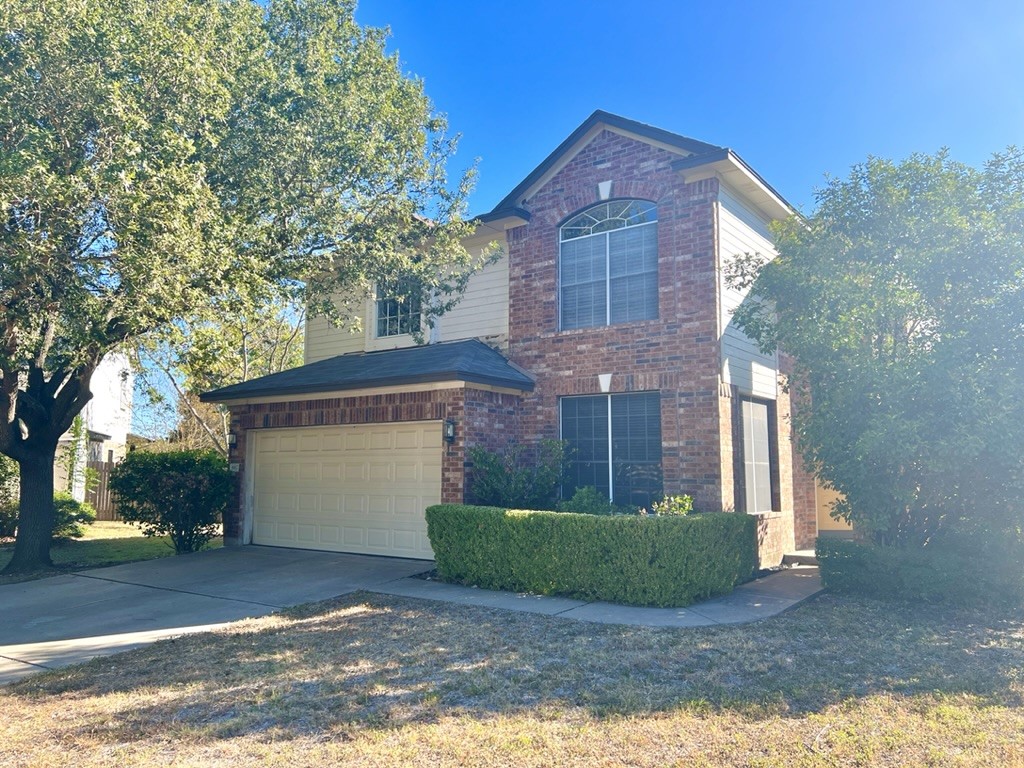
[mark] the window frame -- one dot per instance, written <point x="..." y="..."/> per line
<point x="413" y="315"/>
<point x="610" y="454"/>
<point x="740" y="491"/>
<point x="650" y="208"/>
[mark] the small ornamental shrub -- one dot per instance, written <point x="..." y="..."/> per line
<point x="181" y="494"/>
<point x="70" y="516"/>
<point x="587" y="501"/>
<point x="673" y="505"/>
<point x="523" y="477"/>
<point x="8" y="497"/>
<point x="8" y="519"/>
<point x="631" y="559"/>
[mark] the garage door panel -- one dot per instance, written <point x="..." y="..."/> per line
<point x="355" y="536"/>
<point x="407" y="439"/>
<point x="347" y="488"/>
<point x="381" y="470"/>
<point x="355" y="441"/>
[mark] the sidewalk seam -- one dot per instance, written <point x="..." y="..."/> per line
<point x="182" y="591"/>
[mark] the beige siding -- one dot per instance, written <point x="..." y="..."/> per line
<point x="481" y="313"/>
<point x="323" y="340"/>
<point x="824" y="498"/>
<point x="742" y="231"/>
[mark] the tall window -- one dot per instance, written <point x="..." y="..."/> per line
<point x="608" y="265"/>
<point x="398" y="308"/>
<point x="615" y="445"/>
<point x="758" y="491"/>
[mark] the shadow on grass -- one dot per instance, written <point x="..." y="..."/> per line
<point x="369" y="660"/>
<point x="74" y="555"/>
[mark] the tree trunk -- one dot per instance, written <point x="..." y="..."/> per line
<point x="35" y="516"/>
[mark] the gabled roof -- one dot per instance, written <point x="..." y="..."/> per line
<point x="697" y="155"/>
<point x="469" y="361"/>
<point x="510" y="204"/>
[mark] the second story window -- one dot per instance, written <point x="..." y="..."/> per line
<point x="398" y="308"/>
<point x="608" y="265"/>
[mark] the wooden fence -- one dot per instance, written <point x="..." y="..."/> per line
<point x="99" y="496"/>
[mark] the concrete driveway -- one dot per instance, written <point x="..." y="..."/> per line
<point x="68" y="619"/>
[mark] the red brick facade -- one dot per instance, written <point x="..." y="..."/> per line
<point x="677" y="355"/>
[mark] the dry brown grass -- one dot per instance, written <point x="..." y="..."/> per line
<point x="374" y="680"/>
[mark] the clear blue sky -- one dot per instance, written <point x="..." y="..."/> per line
<point x="798" y="89"/>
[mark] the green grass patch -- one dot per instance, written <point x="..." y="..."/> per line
<point x="104" y="543"/>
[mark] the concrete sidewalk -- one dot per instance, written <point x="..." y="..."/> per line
<point x="754" y="600"/>
<point x="68" y="619"/>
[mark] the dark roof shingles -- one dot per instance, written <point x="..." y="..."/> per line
<point x="470" y="361"/>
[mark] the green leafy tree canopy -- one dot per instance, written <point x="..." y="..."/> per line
<point x="156" y="155"/>
<point x="901" y="299"/>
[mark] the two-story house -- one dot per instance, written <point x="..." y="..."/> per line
<point x="606" y="323"/>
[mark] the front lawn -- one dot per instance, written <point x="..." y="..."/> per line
<point x="374" y="680"/>
<point x="104" y="543"/>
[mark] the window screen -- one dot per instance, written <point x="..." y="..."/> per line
<point x="608" y="265"/>
<point x="627" y="468"/>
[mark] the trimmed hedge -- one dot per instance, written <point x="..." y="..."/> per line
<point x="935" y="575"/>
<point x="635" y="560"/>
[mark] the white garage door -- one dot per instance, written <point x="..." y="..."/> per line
<point x="347" y="488"/>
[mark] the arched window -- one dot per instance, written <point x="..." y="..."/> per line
<point x="608" y="265"/>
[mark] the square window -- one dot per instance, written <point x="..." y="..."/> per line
<point x="398" y="309"/>
<point x="628" y="466"/>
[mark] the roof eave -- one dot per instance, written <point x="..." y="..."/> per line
<point x="223" y="396"/>
<point x="726" y="164"/>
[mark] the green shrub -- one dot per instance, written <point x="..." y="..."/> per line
<point x="181" y="494"/>
<point x="70" y="516"/>
<point x="962" y="574"/>
<point x="631" y="559"/>
<point x="519" y="476"/>
<point x="8" y="518"/>
<point x="673" y="505"/>
<point x="587" y="501"/>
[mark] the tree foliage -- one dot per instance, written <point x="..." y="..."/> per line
<point x="230" y="342"/>
<point x="156" y="155"/>
<point x="902" y="301"/>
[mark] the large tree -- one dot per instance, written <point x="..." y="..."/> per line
<point x="901" y="299"/>
<point x="155" y="154"/>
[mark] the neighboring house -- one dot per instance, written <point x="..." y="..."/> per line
<point x="607" y="323"/>
<point x="105" y="424"/>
